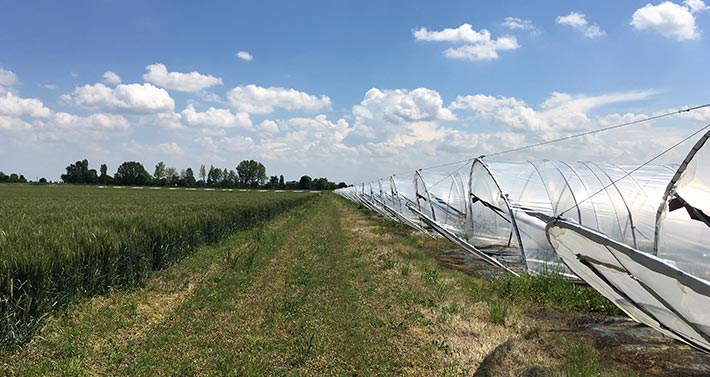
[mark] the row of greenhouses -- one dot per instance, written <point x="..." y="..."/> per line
<point x="637" y="234"/>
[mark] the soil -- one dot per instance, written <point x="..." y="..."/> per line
<point x="618" y="339"/>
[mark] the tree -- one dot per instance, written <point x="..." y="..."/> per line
<point x="131" y="173"/>
<point x="172" y="177"/>
<point x="188" y="177"/>
<point x="43" y="180"/>
<point x="273" y="182"/>
<point x="159" y="171"/>
<point x="214" y="177"/>
<point x="341" y="185"/>
<point x="104" y="178"/>
<point x="281" y="182"/>
<point x="203" y="173"/>
<point x="251" y="173"/>
<point x="79" y="172"/>
<point x="4" y="177"/>
<point x="305" y="182"/>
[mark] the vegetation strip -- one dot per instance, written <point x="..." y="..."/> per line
<point x="61" y="243"/>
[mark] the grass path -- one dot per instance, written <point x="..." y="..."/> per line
<point x="323" y="290"/>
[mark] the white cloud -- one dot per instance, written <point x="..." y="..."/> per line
<point x="696" y="5"/>
<point x="401" y="105"/>
<point x="476" y="45"/>
<point x="124" y="98"/>
<point x="111" y="78"/>
<point x="559" y="112"/>
<point x="97" y="122"/>
<point x="579" y="22"/>
<point x="259" y="100"/>
<point x="161" y="149"/>
<point x="15" y="106"/>
<point x="50" y="86"/>
<point x="514" y="23"/>
<point x="482" y="51"/>
<point x="182" y="82"/>
<point x="267" y="127"/>
<point x="8" y="123"/>
<point x="245" y="56"/>
<point x="669" y="19"/>
<point x="7" y="78"/>
<point x="215" y="118"/>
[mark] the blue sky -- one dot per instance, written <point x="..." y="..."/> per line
<point x="344" y="89"/>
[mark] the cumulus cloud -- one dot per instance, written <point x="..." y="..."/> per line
<point x="161" y="149"/>
<point x="182" y="82"/>
<point x="111" y="78"/>
<point x="267" y="127"/>
<point x="98" y="122"/>
<point x="476" y="45"/>
<point x="124" y="98"/>
<point x="401" y="105"/>
<point x="245" y="56"/>
<point x="514" y="23"/>
<point x="7" y="78"/>
<point x="259" y="100"/>
<point x="8" y="123"/>
<point x="669" y="19"/>
<point x="12" y="105"/>
<point x="217" y="118"/>
<point x="560" y="112"/>
<point x="696" y="5"/>
<point x="579" y="22"/>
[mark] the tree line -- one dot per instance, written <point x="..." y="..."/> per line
<point x="247" y="174"/>
<point x="12" y="178"/>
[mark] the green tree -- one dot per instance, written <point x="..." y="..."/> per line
<point x="281" y="182"/>
<point x="214" y="177"/>
<point x="188" y="177"/>
<point x="79" y="172"/>
<point x="104" y="178"/>
<point x="172" y="177"/>
<point x="251" y="173"/>
<point x="159" y="171"/>
<point x="305" y="182"/>
<point x="273" y="182"/>
<point x="203" y="173"/>
<point x="131" y="173"/>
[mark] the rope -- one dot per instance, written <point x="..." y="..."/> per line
<point x="614" y="182"/>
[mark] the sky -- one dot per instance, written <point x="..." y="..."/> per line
<point x="349" y="90"/>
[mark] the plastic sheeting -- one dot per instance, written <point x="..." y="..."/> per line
<point x="682" y="226"/>
<point x="510" y="201"/>
<point x="442" y="198"/>
<point x="649" y="289"/>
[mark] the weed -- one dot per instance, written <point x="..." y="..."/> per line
<point x="388" y="264"/>
<point x="431" y="276"/>
<point x="404" y="270"/>
<point x="497" y="311"/>
<point x="581" y="359"/>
